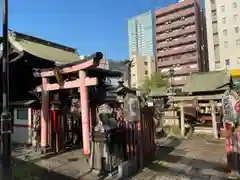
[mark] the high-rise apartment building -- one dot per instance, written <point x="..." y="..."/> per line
<point x="180" y="40"/>
<point x="141" y="38"/>
<point x="223" y="32"/>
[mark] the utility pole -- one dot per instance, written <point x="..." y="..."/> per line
<point x="6" y="116"/>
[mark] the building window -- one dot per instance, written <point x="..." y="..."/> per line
<point x="223" y="8"/>
<point x="22" y="113"/>
<point x="225" y="32"/>
<point x="226" y="44"/>
<point x="238" y="60"/>
<point x="194" y="54"/>
<point x="235" y="5"/>
<point x="213" y="1"/>
<point x="178" y="57"/>
<point x="238" y="42"/>
<point x="216" y="47"/>
<point x="214" y="13"/>
<point x="227" y="61"/>
<point x="224" y="20"/>
<point x="235" y="18"/>
<point x="193" y="66"/>
<point x="146" y="72"/>
<point x="145" y="63"/>
<point x="236" y="29"/>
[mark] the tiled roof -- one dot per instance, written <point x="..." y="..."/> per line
<point x="207" y="81"/>
<point x="43" y="49"/>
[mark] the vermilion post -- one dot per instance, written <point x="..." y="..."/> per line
<point x="140" y="144"/>
<point x="29" y="125"/>
<point x="44" y="115"/>
<point x="54" y="121"/>
<point x="85" y="113"/>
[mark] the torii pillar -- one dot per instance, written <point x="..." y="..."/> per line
<point x="85" y="113"/>
<point x="44" y="114"/>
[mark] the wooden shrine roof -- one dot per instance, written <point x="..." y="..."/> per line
<point x="207" y="81"/>
<point x="43" y="49"/>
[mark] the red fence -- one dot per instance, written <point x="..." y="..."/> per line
<point x="139" y="138"/>
<point x="148" y="133"/>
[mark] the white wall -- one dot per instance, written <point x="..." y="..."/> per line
<point x="22" y="127"/>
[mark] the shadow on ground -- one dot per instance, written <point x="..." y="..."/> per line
<point x="187" y="159"/>
<point x="28" y="171"/>
<point x="68" y="165"/>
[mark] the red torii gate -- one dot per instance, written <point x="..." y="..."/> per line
<point x="82" y="82"/>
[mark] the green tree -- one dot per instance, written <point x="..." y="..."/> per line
<point x="156" y="80"/>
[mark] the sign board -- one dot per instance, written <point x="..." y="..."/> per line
<point x="150" y="104"/>
<point x="230" y="101"/>
<point x="131" y="108"/>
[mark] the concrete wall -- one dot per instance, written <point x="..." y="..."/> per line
<point x="223" y="17"/>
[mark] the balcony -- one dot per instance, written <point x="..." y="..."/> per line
<point x="175" y="15"/>
<point x="181" y="50"/>
<point x="176" y="24"/>
<point x="181" y="82"/>
<point x="180" y="41"/>
<point x="215" y="41"/>
<point x="181" y="61"/>
<point x="173" y="7"/>
<point x="213" y="7"/>
<point x="215" y="30"/>
<point x="214" y="18"/>
<point x="183" y="71"/>
<point x="173" y="34"/>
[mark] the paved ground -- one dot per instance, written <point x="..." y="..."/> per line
<point x="31" y="166"/>
<point x="198" y="158"/>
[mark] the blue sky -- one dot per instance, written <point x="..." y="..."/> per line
<point x="88" y="25"/>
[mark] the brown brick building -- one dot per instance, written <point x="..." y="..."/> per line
<point x="181" y="40"/>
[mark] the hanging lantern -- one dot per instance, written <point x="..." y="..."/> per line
<point x="55" y="107"/>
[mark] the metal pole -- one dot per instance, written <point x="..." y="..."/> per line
<point x="6" y="116"/>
